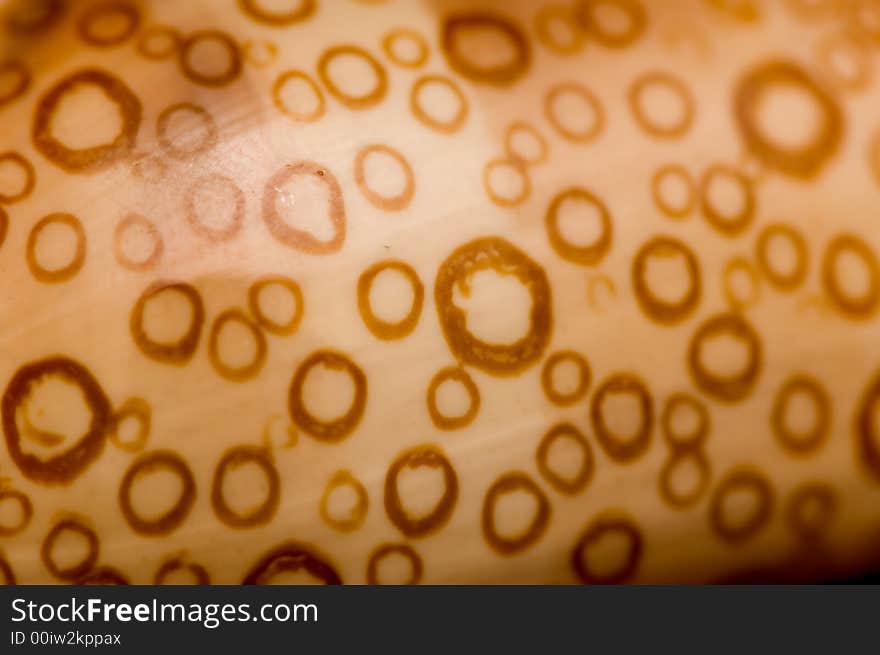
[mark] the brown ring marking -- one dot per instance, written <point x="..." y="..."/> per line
<point x="814" y="439"/>
<point x="867" y="435"/>
<point x="502" y="75"/>
<point x="727" y="226"/>
<point x="246" y="371"/>
<point x="337" y="429"/>
<point x="181" y="351"/>
<point x="564" y="485"/>
<point x="404" y="33"/>
<point x="744" y="477"/>
<point x="659" y="310"/>
<point x="232" y="459"/>
<point x="130" y="13"/>
<point x="18" y="68"/>
<point x="686" y="441"/>
<point x="278" y="86"/>
<point x="592" y="254"/>
<point x="4" y="225"/>
<point x="176" y="563"/>
<point x="176" y="515"/>
<point x="365" y="101"/>
<point x="54" y="276"/>
<point x="30" y="177"/>
<point x="609" y="522"/>
<point x="102" y="575"/>
<point x="139" y="409"/>
<point x="228" y="76"/>
<point x="656" y="193"/>
<point x="279" y="329"/>
<point x="7" y="576"/>
<point x="344" y="478"/>
<point x="585" y="94"/>
<point x="167" y="144"/>
<point x="157" y="32"/>
<point x="585" y="15"/>
<point x="542" y="20"/>
<point x="87" y="160"/>
<point x="728" y="389"/>
<point x="742" y="264"/>
<point x="133" y="220"/>
<point x="221" y="234"/>
<point x="27" y="512"/>
<point x="278" y="19"/>
<point x="432" y="457"/>
<point x="446" y="127"/>
<point x="856" y="309"/>
<point x="678" y="500"/>
<point x="508" y="483"/>
<point x="48" y="14"/>
<point x="77" y="570"/>
<point x="826" y="498"/>
<point x="623" y="451"/>
<point x="585" y="377"/>
<point x="388" y="203"/>
<point x="270" y="53"/>
<point x="672" y="82"/>
<point x="292" y="556"/>
<point x="441" y="421"/>
<point x="148" y="167"/>
<point x="63" y="468"/>
<point x="519" y="167"/>
<point x="804" y="162"/>
<point x="783" y="281"/>
<point x="383" y="329"/>
<point x="505" y="258"/>
<point x="510" y="150"/>
<point x="300" y="239"/>
<point x="384" y="551"/>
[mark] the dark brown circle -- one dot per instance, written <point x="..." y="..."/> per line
<point x="246" y="371"/>
<point x="338" y="429"/>
<point x="510" y="483"/>
<point x="176" y="515"/>
<point x="266" y="323"/>
<point x="801" y="444"/>
<point x="432" y="457"/>
<point x="657" y="193"/>
<point x="140" y="410"/>
<point x="102" y="575"/>
<point x="20" y="70"/>
<point x="852" y="308"/>
<point x="638" y="20"/>
<point x="446" y="127"/>
<point x="404" y="33"/>
<point x="388" y="203"/>
<point x="565" y="485"/>
<point x="585" y="376"/>
<point x="26" y="507"/>
<point x="729" y="389"/>
<point x="86" y="23"/>
<point x="134" y="221"/>
<point x="657" y="309"/>
<point x="678" y="87"/>
<point x="824" y="498"/>
<point x="53" y="276"/>
<point x="506" y="200"/>
<point x="365" y="101"/>
<point x="623" y="450"/>
<point x="589" y="255"/>
<point x="676" y="499"/>
<point x="158" y="32"/>
<point x="726" y="225"/>
<point x="233" y="70"/>
<point x="65" y="467"/>
<point x="77" y="570"/>
<point x="278" y="87"/>
<point x="866" y="429"/>
<point x="501" y="75"/>
<point x="741" y="478"/>
<point x="782" y="280"/>
<point x="685" y="441"/>
<point x="502" y="256"/>
<point x="301" y="239"/>
<point x="292" y="556"/>
<point x="30" y="177"/>
<point x="359" y="513"/>
<point x="278" y="18"/>
<point x="215" y="234"/>
<point x="178" y="563"/>
<point x="182" y="350"/>
<point x="87" y="160"/>
<point x="457" y="374"/>
<point x="804" y="162"/>
<point x="585" y="94"/>
<point x="208" y="142"/>
<point x="384" y="551"/>
<point x="262" y="513"/>
<point x="383" y="329"/>
<point x="609" y="523"/>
